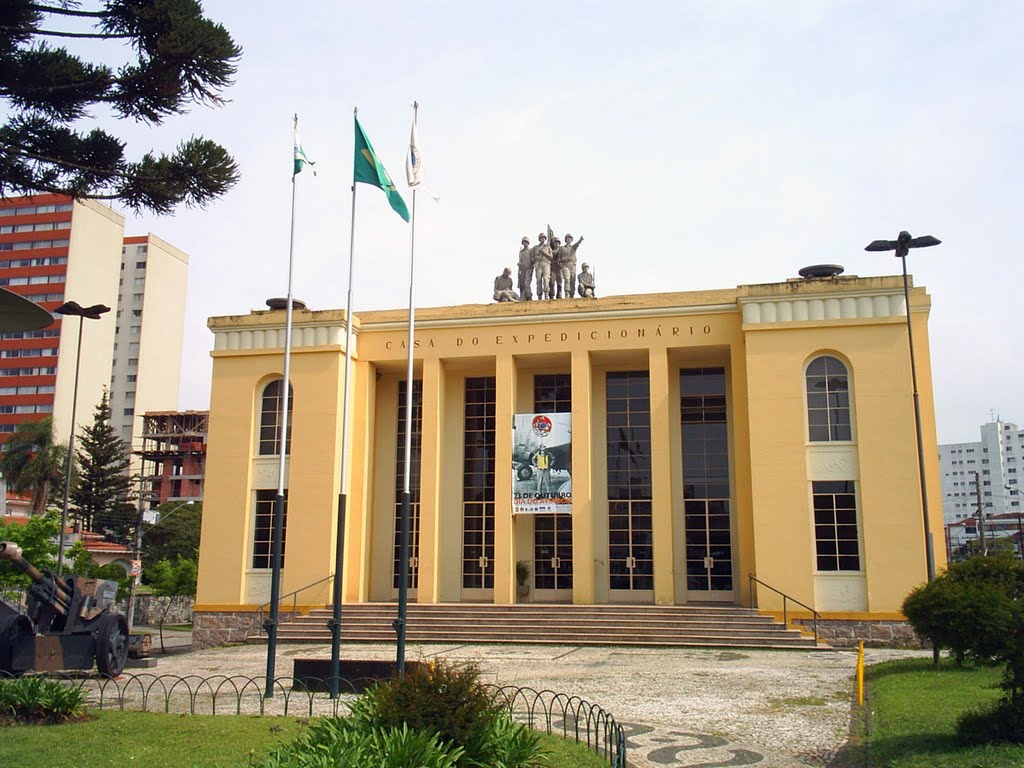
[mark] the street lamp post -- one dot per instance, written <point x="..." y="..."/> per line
<point x="92" y="313"/>
<point x="137" y="554"/>
<point x="902" y="245"/>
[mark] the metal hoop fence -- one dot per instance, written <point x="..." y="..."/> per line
<point x="554" y="713"/>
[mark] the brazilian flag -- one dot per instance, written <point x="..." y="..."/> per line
<point x="368" y="169"/>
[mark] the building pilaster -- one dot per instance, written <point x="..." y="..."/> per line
<point x="429" y="588"/>
<point x="583" y="587"/>
<point x="662" y="529"/>
<point x="504" y="538"/>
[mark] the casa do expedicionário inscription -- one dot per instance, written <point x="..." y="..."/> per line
<point x="424" y="341"/>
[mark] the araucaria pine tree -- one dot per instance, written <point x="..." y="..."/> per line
<point x="102" y="494"/>
<point x="49" y="94"/>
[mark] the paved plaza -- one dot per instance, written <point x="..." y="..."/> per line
<point x="680" y="707"/>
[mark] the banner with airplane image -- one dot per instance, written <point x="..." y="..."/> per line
<point x="541" y="463"/>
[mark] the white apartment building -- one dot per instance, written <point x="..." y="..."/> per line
<point x="146" y="368"/>
<point x="996" y="461"/>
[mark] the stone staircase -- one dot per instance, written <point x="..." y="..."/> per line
<point x="707" y="626"/>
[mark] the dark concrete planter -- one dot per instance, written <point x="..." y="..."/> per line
<point x="356" y="674"/>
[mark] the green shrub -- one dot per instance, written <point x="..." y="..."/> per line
<point x="1003" y="722"/>
<point x="976" y="609"/>
<point x="34" y="699"/>
<point x="437" y="716"/>
<point x="512" y="745"/>
<point x="338" y="743"/>
<point x="443" y="698"/>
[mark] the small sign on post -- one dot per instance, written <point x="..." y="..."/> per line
<point x="136" y="570"/>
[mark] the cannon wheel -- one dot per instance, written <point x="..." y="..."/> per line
<point x="111" y="645"/>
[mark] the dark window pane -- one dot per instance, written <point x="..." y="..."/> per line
<point x="846" y="517"/>
<point x="847" y="547"/>
<point x="643" y="582"/>
<point x="819" y="434"/>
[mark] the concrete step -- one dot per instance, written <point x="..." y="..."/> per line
<point x="772" y="643"/>
<point x="497" y="632"/>
<point x="488" y="623"/>
<point x="721" y="626"/>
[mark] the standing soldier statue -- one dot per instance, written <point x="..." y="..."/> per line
<point x="570" y="261"/>
<point x="542" y="257"/>
<point x="525" y="270"/>
<point x="556" y="268"/>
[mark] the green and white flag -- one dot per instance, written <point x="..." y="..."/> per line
<point x="300" y="158"/>
<point x="368" y="169"/>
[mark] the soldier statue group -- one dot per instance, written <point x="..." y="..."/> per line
<point x="554" y="267"/>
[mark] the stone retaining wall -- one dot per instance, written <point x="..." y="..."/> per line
<point x="223" y="627"/>
<point x="845" y="633"/>
<point x="149" y="609"/>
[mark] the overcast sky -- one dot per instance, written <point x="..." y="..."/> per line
<point x="693" y="144"/>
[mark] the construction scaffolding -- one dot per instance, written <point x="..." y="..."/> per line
<point x="173" y="455"/>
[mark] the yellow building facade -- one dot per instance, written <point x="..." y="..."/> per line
<point x="765" y="430"/>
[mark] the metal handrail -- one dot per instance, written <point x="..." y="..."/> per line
<point x="785" y="598"/>
<point x="294" y="595"/>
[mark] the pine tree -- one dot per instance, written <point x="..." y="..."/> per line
<point x="180" y="58"/>
<point x="102" y="493"/>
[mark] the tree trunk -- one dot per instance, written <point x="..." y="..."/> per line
<point x="167" y="608"/>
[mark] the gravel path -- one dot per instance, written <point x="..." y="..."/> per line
<point x="680" y="707"/>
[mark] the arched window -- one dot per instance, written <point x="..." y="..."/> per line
<point x="270" y="419"/>
<point x="828" y="400"/>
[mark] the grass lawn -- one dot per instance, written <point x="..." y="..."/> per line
<point x="113" y="739"/>
<point x="914" y="714"/>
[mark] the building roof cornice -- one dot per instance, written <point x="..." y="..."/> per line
<point x="834" y="298"/>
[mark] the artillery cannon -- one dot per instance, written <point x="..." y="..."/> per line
<point x="69" y="623"/>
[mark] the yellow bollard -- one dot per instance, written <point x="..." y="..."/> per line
<point x="860" y="673"/>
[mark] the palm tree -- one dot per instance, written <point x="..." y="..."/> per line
<point x="33" y="462"/>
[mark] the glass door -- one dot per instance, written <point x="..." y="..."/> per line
<point x="478" y="490"/>
<point x="708" y="550"/>
<point x="552" y="557"/>
<point x="630" y="550"/>
<point x="706" y="488"/>
<point x="414" y="488"/>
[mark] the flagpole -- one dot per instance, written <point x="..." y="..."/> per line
<point x="339" y="550"/>
<point x="403" y="541"/>
<point x="278" y="535"/>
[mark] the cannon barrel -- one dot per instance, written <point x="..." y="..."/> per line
<point x="12" y="553"/>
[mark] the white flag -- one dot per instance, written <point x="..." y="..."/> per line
<point x="414" y="162"/>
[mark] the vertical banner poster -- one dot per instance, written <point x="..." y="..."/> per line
<point x="541" y="463"/>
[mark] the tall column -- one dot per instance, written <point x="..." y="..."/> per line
<point x="583" y="588"/>
<point x="504" y="528"/>
<point x="662" y="478"/>
<point x="357" y="553"/>
<point x="428" y="590"/>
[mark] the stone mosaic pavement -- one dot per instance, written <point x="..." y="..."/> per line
<point x="680" y="707"/>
